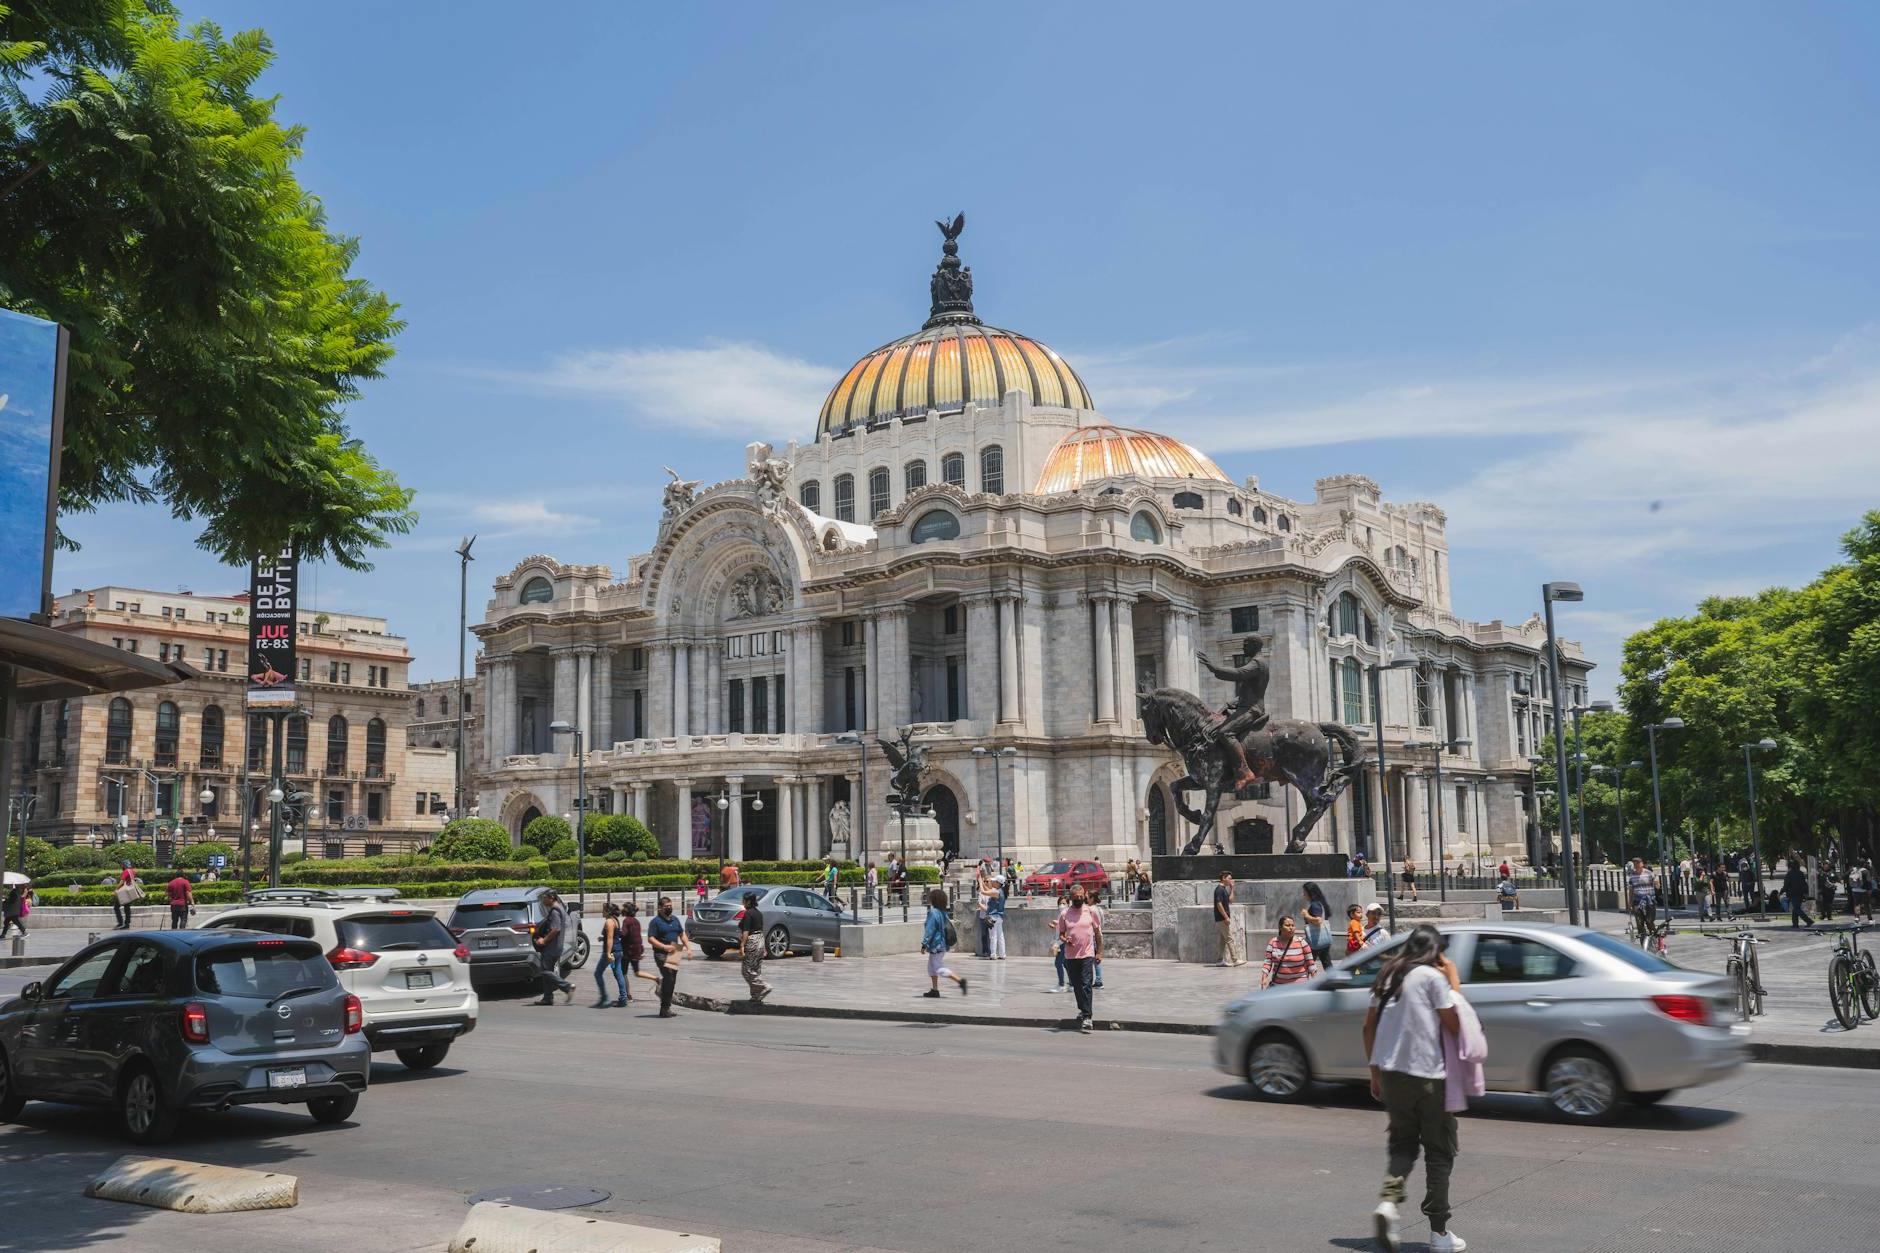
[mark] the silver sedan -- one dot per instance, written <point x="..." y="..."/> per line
<point x="1582" y="1018"/>
<point x="793" y="917"/>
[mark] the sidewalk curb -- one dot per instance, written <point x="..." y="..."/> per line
<point x="11" y="963"/>
<point x="1783" y="1054"/>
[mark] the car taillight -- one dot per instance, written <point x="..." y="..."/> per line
<point x="1690" y="1009"/>
<point x="738" y="917"/>
<point x="355" y="1015"/>
<point x="522" y="928"/>
<point x="195" y="1023"/>
<point x="461" y="953"/>
<point x="344" y="958"/>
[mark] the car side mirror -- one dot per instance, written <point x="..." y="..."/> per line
<point x="33" y="991"/>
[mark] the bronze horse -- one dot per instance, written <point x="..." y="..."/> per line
<point x="1285" y="750"/>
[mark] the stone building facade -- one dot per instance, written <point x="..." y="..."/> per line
<point x="434" y="725"/>
<point x="139" y="763"/>
<point x="968" y="547"/>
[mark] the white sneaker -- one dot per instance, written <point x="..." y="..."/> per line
<point x="1447" y="1242"/>
<point x="1384" y="1218"/>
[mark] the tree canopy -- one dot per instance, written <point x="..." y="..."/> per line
<point x="148" y="202"/>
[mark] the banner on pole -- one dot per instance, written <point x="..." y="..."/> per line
<point x="273" y="594"/>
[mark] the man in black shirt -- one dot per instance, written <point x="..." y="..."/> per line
<point x="1224" y="922"/>
<point x="548" y="944"/>
<point x="751" y="943"/>
<point x="1795" y="887"/>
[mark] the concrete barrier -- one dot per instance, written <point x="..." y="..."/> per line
<point x="193" y="1187"/>
<point x="494" y="1228"/>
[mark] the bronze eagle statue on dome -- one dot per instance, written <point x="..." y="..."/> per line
<point x="951" y="233"/>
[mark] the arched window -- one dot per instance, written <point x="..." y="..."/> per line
<point x="1259" y="514"/>
<point x="877" y="492"/>
<point x="212" y="734"/>
<point x="169" y="724"/>
<point x="375" y="749"/>
<point x="537" y="591"/>
<point x="443" y="706"/>
<point x="297" y="745"/>
<point x="336" y="730"/>
<point x="1235" y="507"/>
<point x="953" y="470"/>
<point x="811" y="496"/>
<point x="1143" y="527"/>
<point x="1188" y="500"/>
<point x="1354" y="691"/>
<point x="914" y="475"/>
<point x="1285" y="523"/>
<point x="992" y="469"/>
<point x="420" y="706"/>
<point x="1349" y="614"/>
<point x="935" y="524"/>
<point x="845" y="498"/>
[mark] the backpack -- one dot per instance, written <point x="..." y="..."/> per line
<point x="952" y="936"/>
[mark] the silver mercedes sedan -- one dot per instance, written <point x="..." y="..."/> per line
<point x="1584" y="1019"/>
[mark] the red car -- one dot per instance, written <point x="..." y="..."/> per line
<point x="1061" y="876"/>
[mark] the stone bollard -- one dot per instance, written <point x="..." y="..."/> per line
<point x="19" y="946"/>
<point x="815" y="950"/>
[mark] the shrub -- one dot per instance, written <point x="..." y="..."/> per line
<point x="563" y="849"/>
<point x="641" y="855"/>
<point x="622" y="833"/>
<point x="613" y="856"/>
<point x="140" y="856"/>
<point x="197" y="856"/>
<point x="526" y="853"/>
<point x="41" y="857"/>
<point x="545" y="830"/>
<point x="81" y="857"/>
<point x="472" y="839"/>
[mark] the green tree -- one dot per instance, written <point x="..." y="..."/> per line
<point x="546" y="830"/>
<point x="148" y="202"/>
<point x="471" y="839"/>
<point x="622" y="833"/>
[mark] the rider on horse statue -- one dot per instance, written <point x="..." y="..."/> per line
<point x="1247" y="712"/>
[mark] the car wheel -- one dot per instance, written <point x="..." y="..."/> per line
<point x="1277" y="1068"/>
<point x="146" y="1119"/>
<point x="777" y="941"/>
<point x="578" y="951"/>
<point x="713" y="951"/>
<point x="333" y="1109"/>
<point x="1582" y="1087"/>
<point x="424" y="1056"/>
<point x="1643" y="1099"/>
<point x="11" y="1102"/>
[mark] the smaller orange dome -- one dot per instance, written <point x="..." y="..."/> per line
<point x="1100" y="452"/>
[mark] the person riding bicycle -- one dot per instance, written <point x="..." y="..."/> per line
<point x="1247" y="713"/>
<point x="1641" y="887"/>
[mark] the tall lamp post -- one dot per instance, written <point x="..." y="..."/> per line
<point x="463" y="628"/>
<point x="1568" y="593"/>
<point x="858" y="824"/>
<point x="1437" y="749"/>
<point x="580" y="805"/>
<point x="1658" y="809"/>
<point x="1383" y="794"/>
<point x="1766" y="745"/>
<point x="998" y="797"/>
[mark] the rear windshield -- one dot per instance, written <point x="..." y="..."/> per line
<point x="380" y="933"/>
<point x="266" y="969"/>
<point x="489" y="914"/>
<point x="1056" y="867"/>
<point x="735" y="896"/>
<point x="1628" y="953"/>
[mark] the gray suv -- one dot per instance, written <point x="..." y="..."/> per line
<point x="498" y="927"/>
<point x="159" y="1022"/>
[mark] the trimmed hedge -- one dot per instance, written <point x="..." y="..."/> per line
<point x="336" y="873"/>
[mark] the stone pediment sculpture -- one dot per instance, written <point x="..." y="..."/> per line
<point x="680" y="493"/>
<point x="754" y="594"/>
<point x="839" y="823"/>
<point x="771" y="476"/>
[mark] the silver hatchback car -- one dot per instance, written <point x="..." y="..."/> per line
<point x="1582" y="1018"/>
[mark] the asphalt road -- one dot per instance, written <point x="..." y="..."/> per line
<point x="795" y="1136"/>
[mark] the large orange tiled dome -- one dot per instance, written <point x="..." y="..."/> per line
<point x="942" y="368"/>
<point x="1104" y="451"/>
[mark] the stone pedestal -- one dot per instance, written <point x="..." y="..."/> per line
<point x="1183" y="920"/>
<point x="923" y="840"/>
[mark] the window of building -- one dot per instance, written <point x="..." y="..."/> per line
<point x="877" y="492"/>
<point x="345" y="672"/>
<point x="208" y="658"/>
<point x="117" y="732"/>
<point x="848" y="633"/>
<point x="1145" y="528"/>
<point x="437" y="802"/>
<point x="375" y="807"/>
<point x="760" y="643"/>
<point x="1242" y="619"/>
<point x="992" y="469"/>
<point x="297" y="745"/>
<point x="1462" y="808"/>
<point x="336" y="730"/>
<point x="119" y="606"/>
<point x="132" y="645"/>
<point x="760" y="705"/>
<point x="332" y="672"/>
<point x="212" y="734"/>
<point x="734" y="705"/>
<point x="420" y="706"/>
<point x="1353" y="684"/>
<point x="776" y="713"/>
<point x="59" y="728"/>
<point x="954" y="710"/>
<point x="537" y="591"/>
<point x="953" y="470"/>
<point x="166" y="611"/>
<point x="914" y="475"/>
<point x="639" y="714"/>
<point x="734" y="646"/>
<point x="849" y="699"/>
<point x="423" y="799"/>
<point x="334" y="807"/>
<point x="637" y="661"/>
<point x="306" y="669"/>
<point x="221" y="660"/>
<point x="1188" y="500"/>
<point x="137" y="606"/>
<point x="950" y="620"/>
<point x="375" y="749"/>
<point x="935" y="524"/>
<point x="163" y="652"/>
<point x="1235" y="507"/>
<point x="168" y="723"/>
<point x="845" y="498"/>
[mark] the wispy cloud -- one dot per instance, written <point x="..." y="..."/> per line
<point x="527" y="517"/>
<point x="733" y="388"/>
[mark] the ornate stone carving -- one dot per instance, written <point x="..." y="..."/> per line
<point x="771" y="475"/>
<point x="680" y="493"/>
<point x="754" y="594"/>
<point x="952" y="284"/>
<point x="839" y="825"/>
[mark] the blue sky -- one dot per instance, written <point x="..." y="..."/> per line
<point x="1599" y="279"/>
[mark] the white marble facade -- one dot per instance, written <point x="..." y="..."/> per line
<point x="1016" y="606"/>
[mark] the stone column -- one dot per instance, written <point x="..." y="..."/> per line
<point x="603" y="715"/>
<point x="806" y="698"/>
<point x="714" y="687"/>
<point x="659" y="704"/>
<point x="815" y="821"/>
<point x="1103" y="650"/>
<point x="1008" y="658"/>
<point x="1174" y="646"/>
<point x="786" y="819"/>
<point x="683" y="841"/>
<point x="734" y="827"/>
<point x="982" y="661"/>
<point x="567" y="682"/>
<point x="638" y="801"/>
<point x="1416" y="820"/>
<point x="697" y="652"/>
<point x="681" y="688"/>
<point x="584" y="695"/>
<point x="871" y="673"/>
<point x="892" y="652"/>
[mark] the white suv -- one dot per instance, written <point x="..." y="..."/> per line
<point x="410" y="974"/>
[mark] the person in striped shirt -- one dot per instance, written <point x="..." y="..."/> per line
<point x="1288" y="959"/>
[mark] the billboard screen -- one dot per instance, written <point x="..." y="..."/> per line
<point x="32" y="395"/>
<point x="273" y="592"/>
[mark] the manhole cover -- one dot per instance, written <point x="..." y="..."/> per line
<point x="543" y="1196"/>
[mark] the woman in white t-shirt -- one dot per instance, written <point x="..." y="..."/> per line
<point x="1413" y="1003"/>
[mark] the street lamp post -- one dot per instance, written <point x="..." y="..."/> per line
<point x="1383" y="796"/>
<point x="998" y="797"/>
<point x="1569" y="593"/>
<point x="1437" y="749"/>
<point x="1658" y="809"/>
<point x="1767" y="745"/>
<point x="463" y="628"/>
<point x="580" y="804"/>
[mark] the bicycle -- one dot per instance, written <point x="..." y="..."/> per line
<point x="1745" y="972"/>
<point x="1853" y="984"/>
<point x="1648" y="930"/>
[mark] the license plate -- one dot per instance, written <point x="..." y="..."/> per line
<point x="488" y="941"/>
<point x="418" y="979"/>
<point x="294" y="1077"/>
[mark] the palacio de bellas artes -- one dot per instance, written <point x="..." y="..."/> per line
<point x="966" y="547"/>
